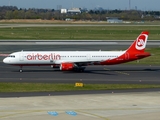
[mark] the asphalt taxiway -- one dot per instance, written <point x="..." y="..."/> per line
<point x="116" y="74"/>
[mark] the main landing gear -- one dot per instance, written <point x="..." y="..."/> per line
<point x="80" y="69"/>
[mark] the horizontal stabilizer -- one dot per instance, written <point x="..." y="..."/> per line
<point x="142" y="55"/>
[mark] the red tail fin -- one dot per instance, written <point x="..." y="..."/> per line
<point x="139" y="44"/>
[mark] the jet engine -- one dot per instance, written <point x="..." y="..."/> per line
<point x="66" y="66"/>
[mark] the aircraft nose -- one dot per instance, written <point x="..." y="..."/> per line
<point x="5" y="60"/>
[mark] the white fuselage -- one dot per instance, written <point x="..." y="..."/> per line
<point x="58" y="57"/>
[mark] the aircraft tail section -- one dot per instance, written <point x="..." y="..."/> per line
<point x="139" y="44"/>
<point x="137" y="49"/>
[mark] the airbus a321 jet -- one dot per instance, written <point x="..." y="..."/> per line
<point x="77" y="60"/>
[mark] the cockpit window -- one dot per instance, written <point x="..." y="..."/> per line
<point x="12" y="56"/>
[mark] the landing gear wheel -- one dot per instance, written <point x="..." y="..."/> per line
<point x="81" y="70"/>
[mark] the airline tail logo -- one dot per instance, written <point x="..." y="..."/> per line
<point x="141" y="42"/>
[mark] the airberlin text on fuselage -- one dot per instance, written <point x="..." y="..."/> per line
<point x="38" y="56"/>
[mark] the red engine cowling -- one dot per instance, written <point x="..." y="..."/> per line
<point x="66" y="66"/>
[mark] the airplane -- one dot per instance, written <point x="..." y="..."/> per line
<point x="77" y="60"/>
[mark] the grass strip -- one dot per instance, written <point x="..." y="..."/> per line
<point x="46" y="87"/>
<point x="78" y="33"/>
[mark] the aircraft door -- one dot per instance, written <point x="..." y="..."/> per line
<point x="126" y="56"/>
<point x="21" y="57"/>
<point x="88" y="56"/>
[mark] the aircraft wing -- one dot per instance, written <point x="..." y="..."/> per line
<point x="82" y="63"/>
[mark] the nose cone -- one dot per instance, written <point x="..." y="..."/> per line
<point x="5" y="60"/>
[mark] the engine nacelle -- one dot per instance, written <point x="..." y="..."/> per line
<point x="66" y="66"/>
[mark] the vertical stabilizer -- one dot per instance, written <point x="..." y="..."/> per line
<point x="139" y="44"/>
